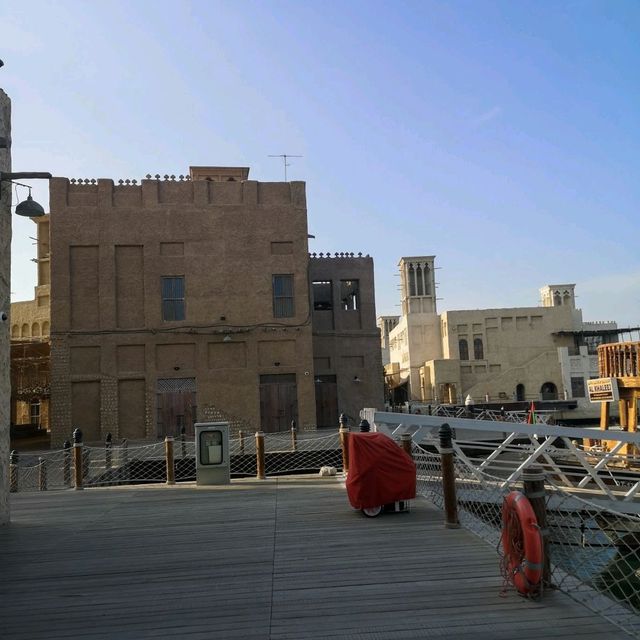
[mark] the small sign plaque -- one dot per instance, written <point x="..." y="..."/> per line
<point x="603" y="390"/>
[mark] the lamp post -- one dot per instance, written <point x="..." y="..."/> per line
<point x="28" y="208"/>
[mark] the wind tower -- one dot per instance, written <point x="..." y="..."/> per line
<point x="418" y="285"/>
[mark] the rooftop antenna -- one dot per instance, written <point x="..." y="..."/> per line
<point x="284" y="157"/>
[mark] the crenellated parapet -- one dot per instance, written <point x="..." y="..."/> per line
<point x="172" y="190"/>
<point x="337" y="255"/>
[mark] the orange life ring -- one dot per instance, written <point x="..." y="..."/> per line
<point x="521" y="543"/>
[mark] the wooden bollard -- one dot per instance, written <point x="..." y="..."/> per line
<point x="260" y="455"/>
<point x="14" y="460"/>
<point x="241" y="439"/>
<point x="108" y="453"/>
<point x="77" y="459"/>
<point x="448" y="478"/>
<point x="183" y="442"/>
<point x="66" y="463"/>
<point x="533" y="485"/>
<point x="406" y="442"/>
<point x="294" y="436"/>
<point x="168" y="454"/>
<point x="344" y="445"/>
<point x="42" y="474"/>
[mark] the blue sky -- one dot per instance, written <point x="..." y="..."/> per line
<point x="502" y="137"/>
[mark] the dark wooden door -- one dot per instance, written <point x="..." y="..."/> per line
<point x="278" y="402"/>
<point x="326" y="401"/>
<point x="175" y="410"/>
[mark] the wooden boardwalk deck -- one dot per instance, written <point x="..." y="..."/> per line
<point x="282" y="559"/>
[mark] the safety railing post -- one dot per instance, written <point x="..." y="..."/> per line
<point x="168" y="453"/>
<point x="533" y="485"/>
<point x="294" y="437"/>
<point x="124" y="462"/>
<point x="183" y="442"/>
<point x="14" y="461"/>
<point x="448" y="477"/>
<point x="108" y="453"/>
<point x="77" y="459"/>
<point x="241" y="443"/>
<point x="66" y="463"/>
<point x="260" y="455"/>
<point x="42" y="474"/>
<point x="406" y="442"/>
<point x="344" y="442"/>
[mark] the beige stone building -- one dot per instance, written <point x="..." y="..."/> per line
<point x="182" y="299"/>
<point x="491" y="355"/>
<point x="30" y="324"/>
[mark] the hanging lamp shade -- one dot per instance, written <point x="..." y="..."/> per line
<point x="30" y="208"/>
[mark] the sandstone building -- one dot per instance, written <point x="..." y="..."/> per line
<point x="493" y="355"/>
<point x="182" y="299"/>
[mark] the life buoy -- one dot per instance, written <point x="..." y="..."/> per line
<point x="521" y="543"/>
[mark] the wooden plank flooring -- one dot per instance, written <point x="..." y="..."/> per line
<point x="282" y="559"/>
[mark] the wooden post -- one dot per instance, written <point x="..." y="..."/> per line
<point x="107" y="452"/>
<point x="42" y="474"/>
<point x="448" y="478"/>
<point x="183" y="442"/>
<point x="622" y="413"/>
<point x="66" y="463"/>
<point x="260" y="455"/>
<point x="14" y="460"/>
<point x="533" y="484"/>
<point x="168" y="453"/>
<point x="344" y="445"/>
<point x="77" y="459"/>
<point x="406" y="442"/>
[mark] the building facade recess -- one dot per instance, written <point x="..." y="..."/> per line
<point x="182" y="299"/>
<point x="517" y="354"/>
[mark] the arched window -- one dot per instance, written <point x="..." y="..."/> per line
<point x="45" y="328"/>
<point x="25" y="331"/>
<point x="35" y="330"/>
<point x="520" y="394"/>
<point x="15" y="331"/>
<point x="478" y="349"/>
<point x="549" y="391"/>
<point x="463" y="349"/>
<point x="557" y="299"/>
<point x="420" y="280"/>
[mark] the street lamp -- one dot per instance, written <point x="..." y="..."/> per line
<point x="29" y="207"/>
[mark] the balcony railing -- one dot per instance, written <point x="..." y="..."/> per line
<point x="619" y="360"/>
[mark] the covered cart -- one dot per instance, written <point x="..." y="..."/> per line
<point x="381" y="475"/>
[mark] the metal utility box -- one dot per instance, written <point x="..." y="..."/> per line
<point x="213" y="461"/>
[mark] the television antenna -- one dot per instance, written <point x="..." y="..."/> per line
<point x="284" y="157"/>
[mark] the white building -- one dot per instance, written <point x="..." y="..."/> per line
<point x="494" y="355"/>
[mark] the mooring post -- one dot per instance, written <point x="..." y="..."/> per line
<point x="406" y="442"/>
<point x="168" y="454"/>
<point x="448" y="477"/>
<point x="365" y="427"/>
<point x="107" y="452"/>
<point x="42" y="474"/>
<point x="533" y="485"/>
<point x="77" y="458"/>
<point x="14" y="460"/>
<point x="66" y="463"/>
<point x="260" y="455"/>
<point x="294" y="437"/>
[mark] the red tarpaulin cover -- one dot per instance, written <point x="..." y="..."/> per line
<point x="380" y="472"/>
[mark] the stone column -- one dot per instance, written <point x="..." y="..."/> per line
<point x="5" y="304"/>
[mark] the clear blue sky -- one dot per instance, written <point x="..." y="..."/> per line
<point x="503" y="137"/>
